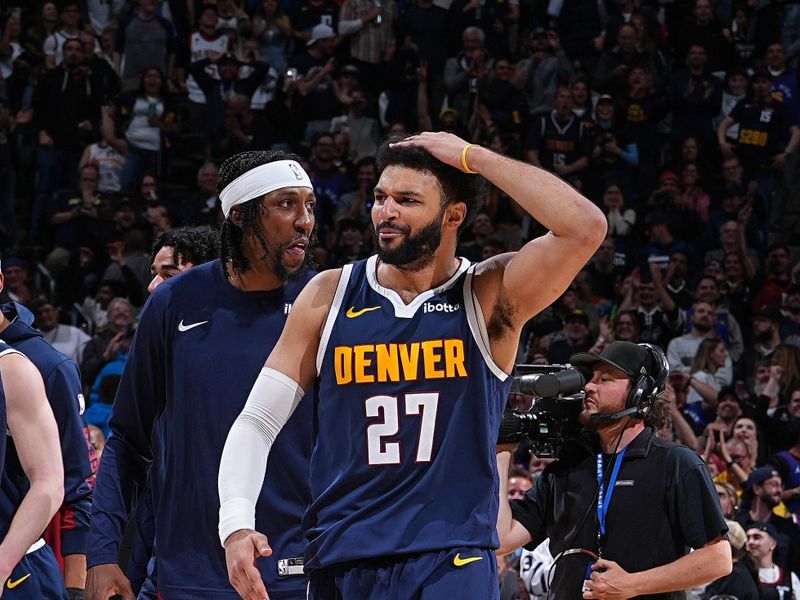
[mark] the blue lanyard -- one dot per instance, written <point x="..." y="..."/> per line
<point x="604" y="496"/>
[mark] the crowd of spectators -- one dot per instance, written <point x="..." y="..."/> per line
<point x="678" y="118"/>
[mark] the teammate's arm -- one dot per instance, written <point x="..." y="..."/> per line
<point x="64" y="391"/>
<point x="289" y="370"/>
<point x="32" y="426"/>
<point x="139" y="400"/>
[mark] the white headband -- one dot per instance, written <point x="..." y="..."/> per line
<point x="263" y="180"/>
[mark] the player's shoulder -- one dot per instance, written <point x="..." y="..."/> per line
<point x="494" y="264"/>
<point x="47" y="358"/>
<point x="14" y="363"/>
<point x="489" y="273"/>
<point x="322" y="286"/>
<point x="199" y="279"/>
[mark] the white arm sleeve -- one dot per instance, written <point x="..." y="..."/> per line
<point x="244" y="459"/>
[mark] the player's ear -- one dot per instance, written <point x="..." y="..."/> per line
<point x="455" y="214"/>
<point x="236" y="216"/>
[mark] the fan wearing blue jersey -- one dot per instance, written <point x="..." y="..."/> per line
<point x="202" y="338"/>
<point x="412" y="349"/>
<point x="27" y="417"/>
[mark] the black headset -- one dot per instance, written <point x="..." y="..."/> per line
<point x="648" y="386"/>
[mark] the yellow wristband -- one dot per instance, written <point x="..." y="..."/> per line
<point x="464" y="165"/>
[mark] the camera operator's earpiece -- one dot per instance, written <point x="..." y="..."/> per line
<point x="648" y="386"/>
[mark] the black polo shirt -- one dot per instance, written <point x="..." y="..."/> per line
<point x="664" y="503"/>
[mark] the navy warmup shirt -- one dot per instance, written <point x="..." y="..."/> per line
<point x="199" y="347"/>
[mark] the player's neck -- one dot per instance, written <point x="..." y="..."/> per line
<point x="4" y="323"/>
<point x="610" y="441"/>
<point x="410" y="284"/>
<point x="256" y="279"/>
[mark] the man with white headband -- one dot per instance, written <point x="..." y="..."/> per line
<point x="201" y="341"/>
<point x="412" y="349"/>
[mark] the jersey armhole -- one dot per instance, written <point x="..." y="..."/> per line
<point x="10" y="351"/>
<point x="477" y="326"/>
<point x="336" y="303"/>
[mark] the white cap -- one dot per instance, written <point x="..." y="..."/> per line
<point x="320" y="32"/>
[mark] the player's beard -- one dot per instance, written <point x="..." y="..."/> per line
<point x="272" y="258"/>
<point x="282" y="271"/>
<point x="416" y="251"/>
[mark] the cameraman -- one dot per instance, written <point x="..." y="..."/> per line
<point x="621" y="506"/>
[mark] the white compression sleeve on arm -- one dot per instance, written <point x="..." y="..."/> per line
<point x="244" y="460"/>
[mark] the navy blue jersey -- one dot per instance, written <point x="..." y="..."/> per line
<point x="409" y="406"/>
<point x="4" y="349"/>
<point x="558" y="143"/>
<point x="62" y="383"/>
<point x="199" y="346"/>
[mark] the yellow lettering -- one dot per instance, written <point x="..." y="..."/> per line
<point x="409" y="356"/>
<point x="387" y="362"/>
<point x="342" y="358"/>
<point x="454" y="358"/>
<point x="362" y="362"/>
<point x="431" y="359"/>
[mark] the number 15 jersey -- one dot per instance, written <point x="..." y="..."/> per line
<point x="409" y="407"/>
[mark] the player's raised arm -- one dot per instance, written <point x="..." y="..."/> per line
<point x="539" y="273"/>
<point x="32" y="426"/>
<point x="274" y="396"/>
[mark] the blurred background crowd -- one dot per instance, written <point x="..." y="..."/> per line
<point x="679" y="118"/>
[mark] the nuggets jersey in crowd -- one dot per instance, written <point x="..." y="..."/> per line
<point x="409" y="404"/>
<point x="182" y="387"/>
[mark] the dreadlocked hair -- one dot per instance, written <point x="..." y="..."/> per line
<point x="233" y="235"/>
<point x="456" y="186"/>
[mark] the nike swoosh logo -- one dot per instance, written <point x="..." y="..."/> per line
<point x="352" y="313"/>
<point x="13" y="584"/>
<point x="460" y="562"/>
<point x="182" y="327"/>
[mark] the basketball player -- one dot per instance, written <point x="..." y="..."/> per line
<point x="28" y="419"/>
<point x="68" y="533"/>
<point x="201" y="340"/>
<point x="179" y="249"/>
<point x="413" y="348"/>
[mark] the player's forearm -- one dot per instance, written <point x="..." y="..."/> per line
<point x="552" y="202"/>
<point x="75" y="571"/>
<point x="244" y="458"/>
<point x="113" y="496"/>
<point x="704" y="565"/>
<point x="34" y="513"/>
